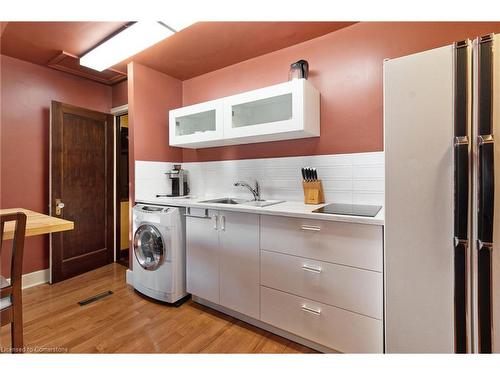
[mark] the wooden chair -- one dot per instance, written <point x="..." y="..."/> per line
<point x="11" y="304"/>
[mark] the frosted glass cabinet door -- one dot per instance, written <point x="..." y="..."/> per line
<point x="196" y="124"/>
<point x="262" y="111"/>
<point x="269" y="113"/>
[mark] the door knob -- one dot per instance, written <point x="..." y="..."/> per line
<point x="59" y="207"/>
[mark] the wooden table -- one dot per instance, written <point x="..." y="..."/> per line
<point x="36" y="223"/>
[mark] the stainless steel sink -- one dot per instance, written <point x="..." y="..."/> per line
<point x="262" y="203"/>
<point x="226" y="201"/>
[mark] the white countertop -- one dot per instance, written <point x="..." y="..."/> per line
<point x="287" y="208"/>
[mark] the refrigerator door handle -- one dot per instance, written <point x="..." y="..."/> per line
<point x="485" y="139"/>
<point x="484" y="245"/>
<point x="463" y="242"/>
<point x="462" y="171"/>
<point x="486" y="187"/>
<point x="459" y="141"/>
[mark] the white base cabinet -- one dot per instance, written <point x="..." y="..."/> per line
<point x="319" y="280"/>
<point x="222" y="259"/>
<point x="287" y="110"/>
<point x="239" y="274"/>
<point x="202" y="254"/>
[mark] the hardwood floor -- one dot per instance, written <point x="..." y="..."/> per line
<point x="124" y="322"/>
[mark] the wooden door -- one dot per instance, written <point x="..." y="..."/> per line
<point x="81" y="177"/>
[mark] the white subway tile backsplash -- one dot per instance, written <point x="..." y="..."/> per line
<point x="368" y="198"/>
<point x="368" y="171"/>
<point x="347" y="178"/>
<point x="151" y="169"/>
<point x="147" y="188"/>
<point x="368" y="158"/>
<point x="339" y="171"/>
<point x="337" y="184"/>
<point x="150" y="179"/>
<point x="339" y="196"/>
<point x="374" y="185"/>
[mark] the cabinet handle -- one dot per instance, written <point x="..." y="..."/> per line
<point x="188" y="214"/>
<point x="215" y="218"/>
<point x="305" y="267"/>
<point x="313" y="228"/>
<point x="311" y="310"/>
<point x="197" y="217"/>
<point x="223" y="222"/>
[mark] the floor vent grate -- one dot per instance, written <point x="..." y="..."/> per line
<point x="97" y="297"/>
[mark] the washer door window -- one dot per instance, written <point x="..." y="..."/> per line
<point x="149" y="248"/>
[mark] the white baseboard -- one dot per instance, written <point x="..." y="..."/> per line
<point x="35" y="278"/>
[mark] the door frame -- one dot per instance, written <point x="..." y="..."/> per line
<point x="117" y="111"/>
<point x="50" y="204"/>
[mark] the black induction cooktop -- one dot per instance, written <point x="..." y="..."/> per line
<point x="349" y="209"/>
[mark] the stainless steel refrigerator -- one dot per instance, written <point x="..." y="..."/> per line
<point x="442" y="204"/>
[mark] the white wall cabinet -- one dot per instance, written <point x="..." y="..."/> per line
<point x="287" y="110"/>
<point x="222" y="259"/>
<point x="197" y="125"/>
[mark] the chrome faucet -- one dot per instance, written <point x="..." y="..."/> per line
<point x="255" y="191"/>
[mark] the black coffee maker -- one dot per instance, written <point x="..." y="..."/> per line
<point x="178" y="178"/>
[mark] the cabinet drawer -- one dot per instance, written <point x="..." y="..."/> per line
<point x="326" y="325"/>
<point x="357" y="245"/>
<point x="349" y="288"/>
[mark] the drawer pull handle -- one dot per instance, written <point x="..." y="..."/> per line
<point x="188" y="214"/>
<point x="313" y="228"/>
<point x="305" y="267"/>
<point x="311" y="310"/>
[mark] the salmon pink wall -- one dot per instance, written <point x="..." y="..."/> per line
<point x="119" y="94"/>
<point x="346" y="66"/>
<point x="26" y="93"/>
<point x="151" y="95"/>
<point x="3" y="25"/>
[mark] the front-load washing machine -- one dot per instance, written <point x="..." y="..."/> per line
<point x="159" y="260"/>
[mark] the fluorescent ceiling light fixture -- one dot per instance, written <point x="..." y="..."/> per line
<point x="132" y="40"/>
<point x="180" y="23"/>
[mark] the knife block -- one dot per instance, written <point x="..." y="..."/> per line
<point x="313" y="192"/>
